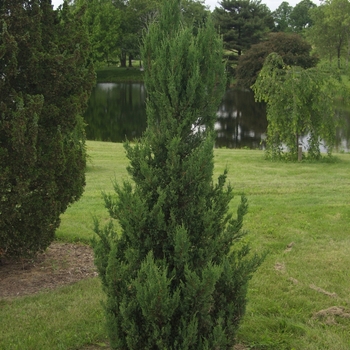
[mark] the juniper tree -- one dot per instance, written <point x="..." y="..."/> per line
<point x="45" y="80"/>
<point x="173" y="276"/>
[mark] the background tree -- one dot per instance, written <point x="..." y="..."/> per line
<point x="194" y="12"/>
<point x="115" y="26"/>
<point x="300" y="16"/>
<point x="331" y="30"/>
<point x="242" y="24"/>
<point x="45" y="82"/>
<point x="136" y="14"/>
<point x="294" y="50"/>
<point x="172" y="278"/>
<point x="300" y="102"/>
<point x="281" y="17"/>
<point x="102" y="20"/>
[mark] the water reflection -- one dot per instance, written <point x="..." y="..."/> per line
<point x="117" y="112"/>
<point x="241" y="121"/>
<point x="343" y="131"/>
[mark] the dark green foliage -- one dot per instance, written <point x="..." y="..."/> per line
<point x="173" y="278"/>
<point x="300" y="16"/>
<point x="330" y="31"/>
<point x="281" y="17"/>
<point x="45" y="81"/>
<point x="294" y="50"/>
<point x="102" y="20"/>
<point x="242" y="24"/>
<point x="135" y="15"/>
<point x="194" y="12"/>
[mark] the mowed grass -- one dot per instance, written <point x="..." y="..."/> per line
<point x="114" y="74"/>
<point x="67" y="318"/>
<point x="298" y="212"/>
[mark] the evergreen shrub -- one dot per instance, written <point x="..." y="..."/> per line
<point x="175" y="275"/>
<point x="45" y="81"/>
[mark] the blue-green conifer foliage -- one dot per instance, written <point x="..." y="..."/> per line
<point x="172" y="275"/>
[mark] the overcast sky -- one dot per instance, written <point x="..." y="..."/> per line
<point x="271" y="4"/>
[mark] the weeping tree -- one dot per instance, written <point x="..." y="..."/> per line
<point x="300" y="103"/>
<point x="174" y="275"/>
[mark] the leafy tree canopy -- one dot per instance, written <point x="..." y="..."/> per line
<point x="116" y="26"/>
<point x="300" y="16"/>
<point x="102" y="20"/>
<point x="194" y="12"/>
<point x="294" y="50"/>
<point x="331" y="29"/>
<point x="300" y="102"/>
<point x="281" y="17"/>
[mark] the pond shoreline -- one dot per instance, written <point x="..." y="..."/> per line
<point x="244" y="118"/>
<point x="113" y="74"/>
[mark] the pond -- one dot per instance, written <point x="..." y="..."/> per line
<point x="117" y="112"/>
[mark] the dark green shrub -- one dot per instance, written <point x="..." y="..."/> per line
<point x="294" y="50"/>
<point x="173" y="278"/>
<point x="45" y="80"/>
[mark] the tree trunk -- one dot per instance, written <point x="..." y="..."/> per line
<point x="123" y="60"/>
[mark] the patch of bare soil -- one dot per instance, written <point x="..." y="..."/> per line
<point x="328" y="315"/>
<point x="60" y="264"/>
<point x="320" y="290"/>
<point x="333" y="311"/>
<point x="289" y="247"/>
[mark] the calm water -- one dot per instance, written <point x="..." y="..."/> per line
<point x="116" y="112"/>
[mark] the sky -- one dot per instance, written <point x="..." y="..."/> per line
<point x="271" y="4"/>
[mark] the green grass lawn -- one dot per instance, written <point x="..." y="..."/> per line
<point x="305" y="206"/>
<point x="114" y="74"/>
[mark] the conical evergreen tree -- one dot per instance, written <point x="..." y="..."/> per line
<point x="172" y="276"/>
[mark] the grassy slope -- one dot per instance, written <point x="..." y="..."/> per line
<point x="304" y="203"/>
